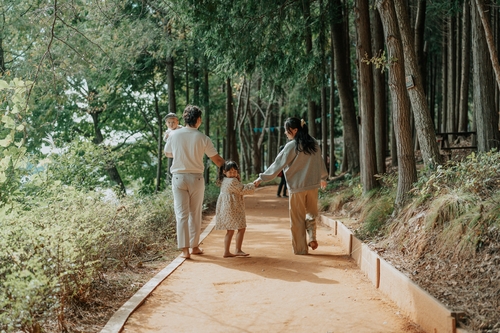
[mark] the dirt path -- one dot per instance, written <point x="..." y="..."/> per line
<point x="272" y="290"/>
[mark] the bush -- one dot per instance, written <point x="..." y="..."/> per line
<point x="51" y="253"/>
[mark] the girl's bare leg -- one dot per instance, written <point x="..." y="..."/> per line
<point x="239" y="242"/>
<point x="227" y="244"/>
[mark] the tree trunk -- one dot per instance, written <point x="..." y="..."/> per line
<point x="442" y="111"/>
<point x="419" y="39"/>
<point x="333" y="158"/>
<point x="111" y="169"/>
<point x="407" y="172"/>
<point x="379" y="93"/>
<point x="450" y="64"/>
<point x="366" y="103"/>
<point x="172" y="106"/>
<point x="324" y="113"/>
<point x="423" y="121"/>
<point x="311" y="105"/>
<point x="464" y="80"/>
<point x="484" y="104"/>
<point x="159" y="153"/>
<point x="489" y="39"/>
<point x="196" y="82"/>
<point x="2" y="57"/>
<point x="206" y="106"/>
<point x="232" y="148"/>
<point x="344" y="83"/>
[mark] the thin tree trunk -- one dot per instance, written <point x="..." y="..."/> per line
<point x="206" y="106"/>
<point x="442" y="115"/>
<point x="407" y="172"/>
<point x="159" y="153"/>
<point x="484" y="104"/>
<point x="172" y="106"/>
<point x="232" y="149"/>
<point x="419" y="39"/>
<point x="366" y="101"/>
<point x="379" y="94"/>
<point x="450" y="64"/>
<point x="423" y="121"/>
<point x="311" y="105"/>
<point x="343" y="76"/>
<point x="489" y="39"/>
<point x="324" y="115"/>
<point x="110" y="167"/>
<point x="333" y="158"/>
<point x="464" y="81"/>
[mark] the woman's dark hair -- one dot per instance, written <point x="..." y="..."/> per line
<point x="303" y="141"/>
<point x="228" y="165"/>
<point x="191" y="115"/>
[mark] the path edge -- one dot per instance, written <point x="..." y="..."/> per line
<point x="416" y="303"/>
<point x="117" y="321"/>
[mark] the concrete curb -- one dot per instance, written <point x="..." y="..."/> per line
<point x="414" y="302"/>
<point x="119" y="318"/>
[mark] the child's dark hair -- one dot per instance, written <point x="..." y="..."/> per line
<point x="228" y="165"/>
<point x="303" y="141"/>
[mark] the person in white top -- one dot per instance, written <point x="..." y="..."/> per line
<point x="187" y="146"/>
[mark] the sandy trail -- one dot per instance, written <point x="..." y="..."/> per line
<point x="272" y="290"/>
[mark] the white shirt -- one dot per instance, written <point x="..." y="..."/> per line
<point x="188" y="146"/>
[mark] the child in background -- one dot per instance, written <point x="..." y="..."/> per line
<point x="172" y="124"/>
<point x="230" y="211"/>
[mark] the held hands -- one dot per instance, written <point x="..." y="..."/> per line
<point x="323" y="184"/>
<point x="256" y="182"/>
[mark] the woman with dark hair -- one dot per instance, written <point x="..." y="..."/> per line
<point x="305" y="172"/>
<point x="187" y="146"/>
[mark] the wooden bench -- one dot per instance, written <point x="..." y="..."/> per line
<point x="444" y="145"/>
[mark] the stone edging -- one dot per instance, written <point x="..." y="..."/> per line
<point x="418" y="305"/>
<point x="119" y="318"/>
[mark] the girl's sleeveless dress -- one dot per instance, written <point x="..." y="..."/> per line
<point x="230" y="211"/>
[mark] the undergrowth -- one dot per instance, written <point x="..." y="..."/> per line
<point x="454" y="209"/>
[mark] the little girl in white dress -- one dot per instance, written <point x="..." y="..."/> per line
<point x="230" y="211"/>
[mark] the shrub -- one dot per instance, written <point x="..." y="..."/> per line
<point x="51" y="253"/>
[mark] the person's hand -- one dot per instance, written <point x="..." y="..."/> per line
<point x="323" y="184"/>
<point x="256" y="183"/>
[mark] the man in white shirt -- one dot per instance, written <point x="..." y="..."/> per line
<point x="187" y="146"/>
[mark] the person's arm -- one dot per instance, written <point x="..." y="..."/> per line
<point x="218" y="160"/>
<point x="169" y="155"/>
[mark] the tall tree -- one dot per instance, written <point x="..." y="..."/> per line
<point x="464" y="80"/>
<point x="340" y="37"/>
<point x="407" y="172"/>
<point x="483" y="91"/>
<point x="379" y="93"/>
<point x="423" y="121"/>
<point x="366" y="102"/>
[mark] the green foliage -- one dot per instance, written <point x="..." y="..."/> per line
<point x="211" y="194"/>
<point x="13" y="113"/>
<point x="81" y="164"/>
<point x="478" y="174"/>
<point x="50" y="254"/>
<point x="375" y="214"/>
